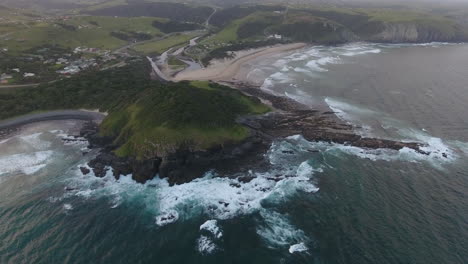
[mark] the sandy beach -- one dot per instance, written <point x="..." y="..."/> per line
<point x="228" y="69"/>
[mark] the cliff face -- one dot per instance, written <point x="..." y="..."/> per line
<point x="414" y="33"/>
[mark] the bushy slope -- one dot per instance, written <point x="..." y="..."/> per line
<point x="91" y="31"/>
<point x="333" y="25"/>
<point x="166" y="117"/>
<point x="146" y="118"/>
<point x="105" y="90"/>
<point x="225" y="16"/>
<point x="173" y="11"/>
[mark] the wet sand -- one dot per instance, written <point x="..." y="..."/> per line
<point x="228" y="69"/>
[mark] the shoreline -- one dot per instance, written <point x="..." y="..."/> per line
<point x="13" y="125"/>
<point x="227" y="69"/>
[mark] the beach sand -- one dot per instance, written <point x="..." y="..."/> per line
<point x="230" y="69"/>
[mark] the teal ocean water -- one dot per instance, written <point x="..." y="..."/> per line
<point x="339" y="205"/>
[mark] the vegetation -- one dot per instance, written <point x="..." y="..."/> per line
<point x="226" y="16"/>
<point x="180" y="114"/>
<point x="131" y="36"/>
<point x="175" y="26"/>
<point x="104" y="90"/>
<point x="146" y="117"/>
<point x="243" y="26"/>
<point x="226" y="51"/>
<point x="16" y="66"/>
<point x="159" y="46"/>
<point x="90" y="31"/>
<point x="175" y="63"/>
<point x="173" y="11"/>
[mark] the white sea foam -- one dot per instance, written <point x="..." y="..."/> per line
<point x="314" y="65"/>
<point x="216" y="197"/>
<point x="166" y="218"/>
<point x="67" y="207"/>
<point x="302" y="70"/>
<point x="343" y="110"/>
<point x="205" y="245"/>
<point x="35" y="141"/>
<point x="212" y="227"/>
<point x="301" y="247"/>
<point x="361" y="52"/>
<point x="4" y="141"/>
<point x="279" y="77"/>
<point x="33" y="169"/>
<point x="277" y="231"/>
<point x="440" y="153"/>
<point x="27" y="163"/>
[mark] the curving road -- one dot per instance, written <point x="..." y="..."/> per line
<point x="49" y="116"/>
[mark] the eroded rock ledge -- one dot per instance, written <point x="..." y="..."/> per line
<point x="289" y="118"/>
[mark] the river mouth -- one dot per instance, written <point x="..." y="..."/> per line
<point x="336" y="204"/>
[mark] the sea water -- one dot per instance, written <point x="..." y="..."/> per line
<point x="341" y="204"/>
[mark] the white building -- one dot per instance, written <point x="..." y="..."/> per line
<point x="28" y="74"/>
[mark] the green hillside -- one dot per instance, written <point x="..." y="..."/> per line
<point x="147" y="118"/>
<point x="90" y="31"/>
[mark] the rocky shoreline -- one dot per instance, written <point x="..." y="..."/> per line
<point x="288" y="118"/>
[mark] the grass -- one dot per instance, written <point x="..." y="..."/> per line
<point x="201" y="85"/>
<point x="105" y="5"/>
<point x="197" y="115"/>
<point x="91" y="31"/>
<point x="230" y="32"/>
<point x="146" y="118"/>
<point x="159" y="46"/>
<point x="175" y="63"/>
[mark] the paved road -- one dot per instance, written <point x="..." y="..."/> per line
<point x="207" y="23"/>
<point x="19" y="85"/>
<point x="159" y="74"/>
<point x="49" y="116"/>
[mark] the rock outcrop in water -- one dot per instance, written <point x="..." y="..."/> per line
<point x="179" y="167"/>
<point x="185" y="165"/>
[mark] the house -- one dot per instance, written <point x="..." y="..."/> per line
<point x="61" y="61"/>
<point x="5" y="76"/>
<point x="275" y="36"/>
<point x="16" y="70"/>
<point x="70" y="70"/>
<point x="28" y="74"/>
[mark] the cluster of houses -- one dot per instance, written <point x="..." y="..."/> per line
<point x="6" y="78"/>
<point x="74" y="67"/>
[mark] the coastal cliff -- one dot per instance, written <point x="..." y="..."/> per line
<point x="416" y="33"/>
<point x="185" y="162"/>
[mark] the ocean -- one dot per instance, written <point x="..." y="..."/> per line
<point x="339" y="205"/>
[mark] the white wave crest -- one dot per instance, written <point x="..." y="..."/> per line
<point x="301" y="247"/>
<point x="167" y="218"/>
<point x="205" y="245"/>
<point x="27" y="163"/>
<point x="277" y="231"/>
<point x="212" y="227"/>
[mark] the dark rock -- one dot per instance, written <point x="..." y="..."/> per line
<point x="186" y="164"/>
<point x="246" y="179"/>
<point x="145" y="170"/>
<point x="85" y="170"/>
<point x="223" y="203"/>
